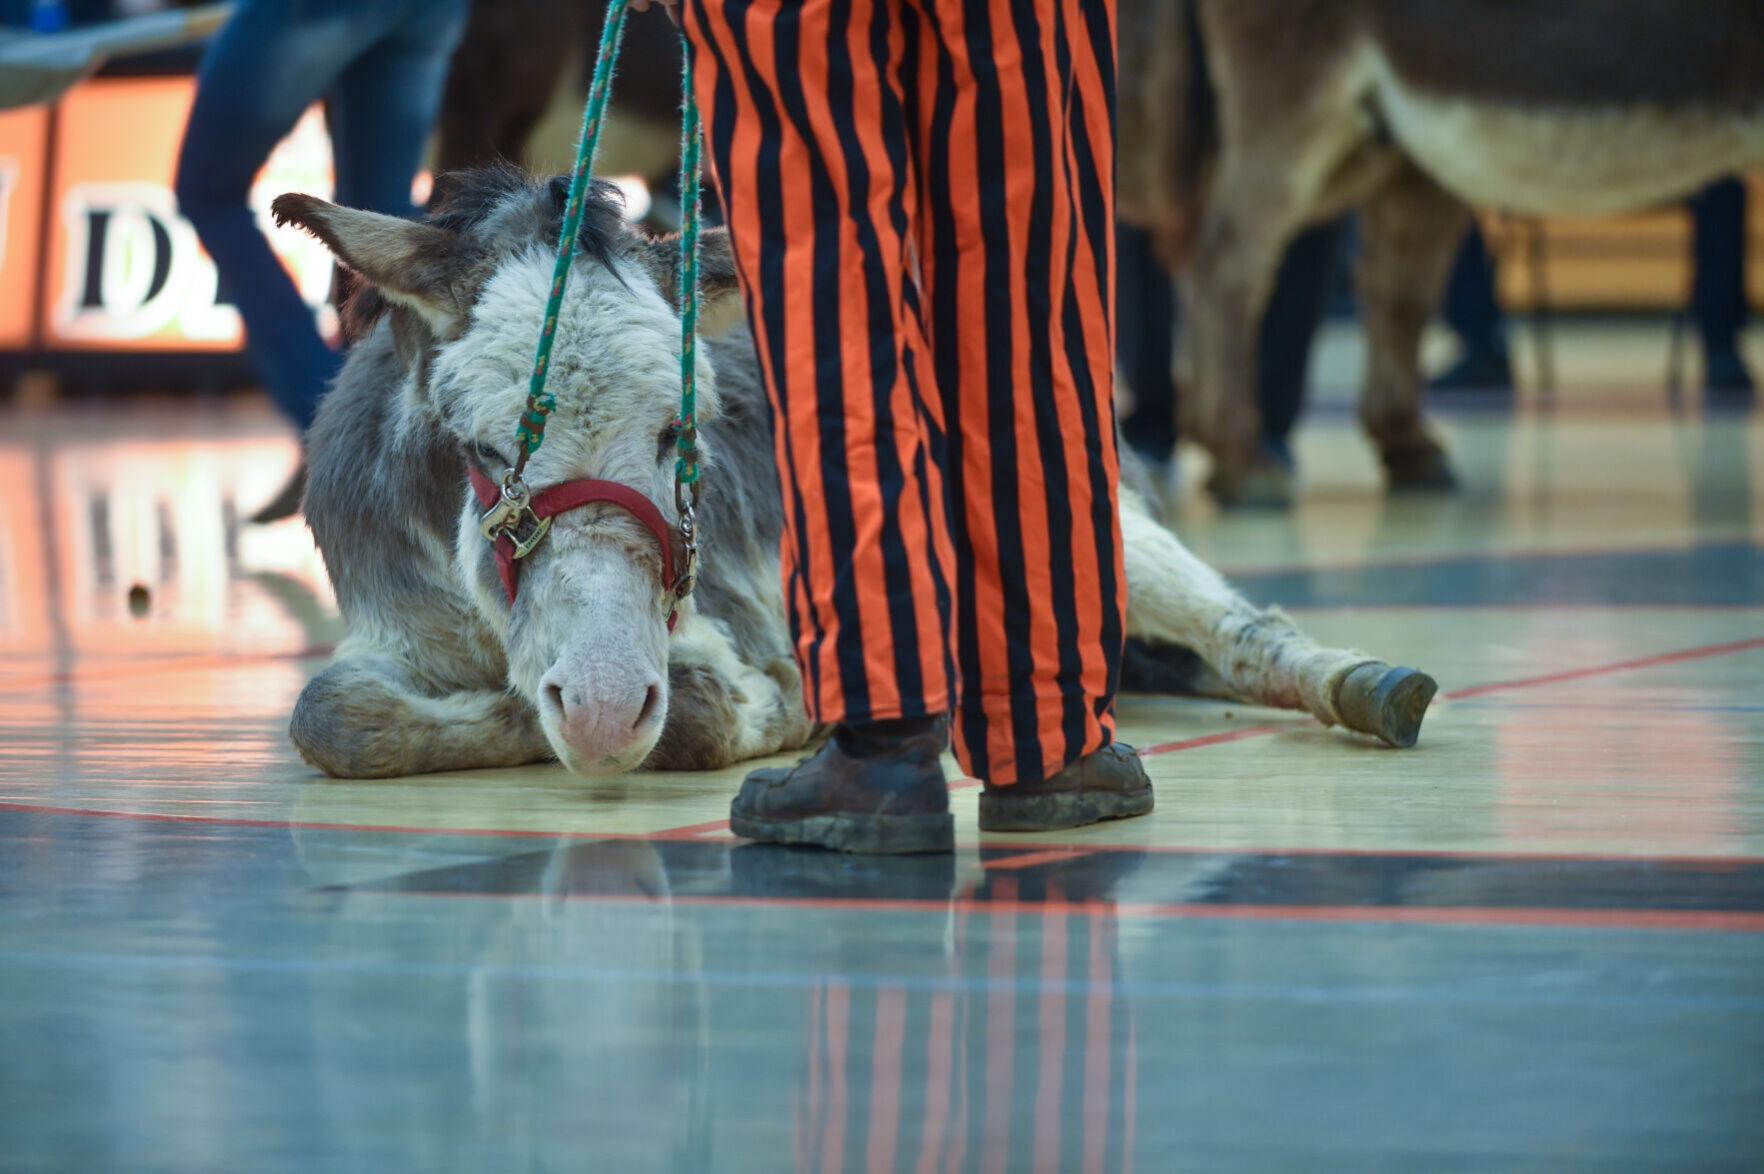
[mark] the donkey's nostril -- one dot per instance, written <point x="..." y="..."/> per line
<point x="650" y="701"/>
<point x="554" y="700"/>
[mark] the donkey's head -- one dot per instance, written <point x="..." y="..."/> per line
<point x="586" y="630"/>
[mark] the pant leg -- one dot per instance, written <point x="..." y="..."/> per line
<point x="803" y="120"/>
<point x="383" y="107"/>
<point x="1470" y="308"/>
<point x="1016" y="141"/>
<point x="270" y="62"/>
<point x="1718" y="291"/>
<point x="1146" y="343"/>
<point x="1289" y="327"/>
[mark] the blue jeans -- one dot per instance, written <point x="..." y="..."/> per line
<point x="380" y="66"/>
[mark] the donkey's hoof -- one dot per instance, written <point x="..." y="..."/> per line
<point x="1263" y="485"/>
<point x="1386" y="702"/>
<point x="1422" y="469"/>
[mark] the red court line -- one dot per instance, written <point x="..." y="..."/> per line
<point x="1705" y="651"/>
<point x="1712" y="863"/>
<point x="1701" y="920"/>
<point x="699" y="829"/>
<point x="1458" y="557"/>
<point x="397" y="829"/>
<point x="688" y="835"/>
<point x="1032" y="859"/>
<point x="1227" y="736"/>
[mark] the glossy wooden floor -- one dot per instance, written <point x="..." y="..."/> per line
<point x="1536" y="942"/>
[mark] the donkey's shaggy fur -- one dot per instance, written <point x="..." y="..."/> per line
<point x="440" y="671"/>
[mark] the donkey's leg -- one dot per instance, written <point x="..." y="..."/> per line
<point x="1175" y="598"/>
<point x="1410" y="229"/>
<point x="1250" y="217"/>
<point x="722" y="709"/>
<point x="364" y="718"/>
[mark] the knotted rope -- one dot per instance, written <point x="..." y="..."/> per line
<point x="507" y="516"/>
<point x="541" y="403"/>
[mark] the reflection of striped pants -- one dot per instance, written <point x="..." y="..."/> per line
<point x="1028" y="1063"/>
<point x="922" y="200"/>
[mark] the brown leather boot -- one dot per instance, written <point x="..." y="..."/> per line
<point x="876" y="787"/>
<point x="1110" y="783"/>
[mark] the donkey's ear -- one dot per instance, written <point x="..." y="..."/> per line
<point x="719" y="295"/>
<point x="426" y="269"/>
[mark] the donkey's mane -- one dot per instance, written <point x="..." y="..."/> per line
<point x="487" y="202"/>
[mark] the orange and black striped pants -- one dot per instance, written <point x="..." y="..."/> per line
<point x="921" y="199"/>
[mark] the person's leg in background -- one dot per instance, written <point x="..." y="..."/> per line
<point x="1016" y="127"/>
<point x="1718" y="290"/>
<point x="1145" y="346"/>
<point x="260" y="74"/>
<point x="383" y="107"/>
<point x="263" y="70"/>
<point x="1474" y="315"/>
<point x="272" y="61"/>
<point x="1289" y="328"/>
<point x="805" y="126"/>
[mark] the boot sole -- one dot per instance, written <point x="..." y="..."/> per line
<point x="869" y="835"/>
<point x="1001" y="811"/>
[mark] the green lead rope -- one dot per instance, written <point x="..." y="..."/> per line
<point x="686" y="466"/>
<point x="540" y="402"/>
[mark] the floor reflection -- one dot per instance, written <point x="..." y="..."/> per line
<point x="997" y="1041"/>
<point x="88" y="514"/>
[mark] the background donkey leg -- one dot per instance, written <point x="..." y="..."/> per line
<point x="364" y="718"/>
<point x="1410" y="230"/>
<point x="1243" y="233"/>
<point x="1175" y="598"/>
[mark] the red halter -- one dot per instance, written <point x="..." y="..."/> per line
<point x="570" y="495"/>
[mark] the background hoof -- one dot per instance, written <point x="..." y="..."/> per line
<point x="1386" y="702"/>
<point x="1264" y="485"/>
<point x="1420" y="470"/>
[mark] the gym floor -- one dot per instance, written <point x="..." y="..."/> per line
<point x="1534" y="942"/>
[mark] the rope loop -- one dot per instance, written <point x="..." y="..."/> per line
<point x="531" y="433"/>
<point x="541" y="403"/>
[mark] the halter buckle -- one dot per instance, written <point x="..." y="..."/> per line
<point x="686" y="505"/>
<point x="513" y="509"/>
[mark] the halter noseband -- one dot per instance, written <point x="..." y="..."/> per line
<point x="508" y="506"/>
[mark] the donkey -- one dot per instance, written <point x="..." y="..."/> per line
<point x="590" y="657"/>
<point x="1244" y="121"/>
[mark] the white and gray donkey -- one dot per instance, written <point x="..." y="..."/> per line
<point x="442" y="670"/>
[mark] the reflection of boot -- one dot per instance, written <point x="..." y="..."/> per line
<point x="773" y="870"/>
<point x="1084" y="878"/>
<point x="286" y="502"/>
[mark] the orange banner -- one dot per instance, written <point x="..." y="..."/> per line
<point x="24" y="137"/>
<point x="125" y="272"/>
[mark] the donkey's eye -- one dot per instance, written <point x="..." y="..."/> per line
<point x="669" y="437"/>
<point x="488" y="455"/>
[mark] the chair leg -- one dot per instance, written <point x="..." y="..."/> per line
<point x="1537" y="260"/>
